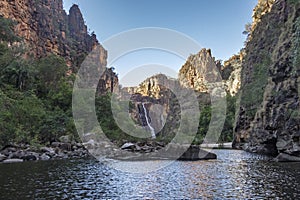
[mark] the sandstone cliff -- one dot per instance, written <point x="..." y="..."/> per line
<point x="200" y="72"/>
<point x="45" y="28"/>
<point x="268" y="119"/>
<point x="231" y="74"/>
<point x="203" y="73"/>
<point x="263" y="7"/>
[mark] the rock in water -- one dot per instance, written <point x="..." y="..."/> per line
<point x="283" y="157"/>
<point x="195" y="153"/>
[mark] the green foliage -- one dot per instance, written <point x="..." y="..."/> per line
<point x="107" y="121"/>
<point x="7" y="30"/>
<point x="296" y="46"/>
<point x="227" y="132"/>
<point x="204" y="122"/>
<point x="206" y="118"/>
<point x="35" y="98"/>
<point x="21" y="117"/>
<point x="51" y="70"/>
<point x="252" y="95"/>
<point x="293" y="1"/>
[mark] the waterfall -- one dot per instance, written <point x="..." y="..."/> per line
<point x="148" y="123"/>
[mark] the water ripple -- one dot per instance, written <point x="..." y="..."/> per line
<point x="235" y="175"/>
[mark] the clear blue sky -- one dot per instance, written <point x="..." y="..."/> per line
<point x="215" y="24"/>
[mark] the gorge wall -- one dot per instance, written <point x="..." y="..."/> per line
<point x="268" y="118"/>
<point x="45" y="28"/>
<point x="201" y="72"/>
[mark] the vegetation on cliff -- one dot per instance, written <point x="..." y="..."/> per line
<point x="35" y="95"/>
<point x="268" y="115"/>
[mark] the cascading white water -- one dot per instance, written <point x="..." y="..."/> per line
<point x="148" y="123"/>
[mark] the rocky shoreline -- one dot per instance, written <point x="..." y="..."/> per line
<point x="56" y="151"/>
<point x="128" y="151"/>
<point x="163" y="152"/>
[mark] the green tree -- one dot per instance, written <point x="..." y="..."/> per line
<point x="7" y="30"/>
<point x="51" y="70"/>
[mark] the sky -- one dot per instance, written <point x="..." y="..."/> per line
<point x="214" y="24"/>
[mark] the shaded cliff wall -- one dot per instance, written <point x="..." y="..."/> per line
<point x="268" y="118"/>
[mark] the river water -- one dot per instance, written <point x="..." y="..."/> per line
<point x="235" y="175"/>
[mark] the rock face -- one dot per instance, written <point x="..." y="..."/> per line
<point x="203" y="73"/>
<point x="268" y="119"/>
<point x="155" y="86"/>
<point x="200" y="72"/>
<point x="109" y="82"/>
<point x="263" y="7"/>
<point x="157" y="96"/>
<point x="231" y="74"/>
<point x="45" y="28"/>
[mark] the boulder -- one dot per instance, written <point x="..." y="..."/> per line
<point x="29" y="157"/>
<point x="66" y="139"/>
<point x="90" y="144"/>
<point x="55" y="144"/>
<point x="88" y="136"/>
<point x="2" y="157"/>
<point x="16" y="155"/>
<point x="187" y="153"/>
<point x="138" y="148"/>
<point x="66" y="146"/>
<point x="283" y="157"/>
<point x="205" y="155"/>
<point x="44" y="157"/>
<point x="47" y="150"/>
<point x="128" y="146"/>
<point x="195" y="153"/>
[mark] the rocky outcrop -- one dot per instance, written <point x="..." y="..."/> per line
<point x="155" y="85"/>
<point x="109" y="82"/>
<point x="231" y="74"/>
<point x="161" y="151"/>
<point x="268" y="119"/>
<point x="203" y="73"/>
<point x="57" y="150"/>
<point x="200" y="72"/>
<point x="157" y="93"/>
<point x="263" y="7"/>
<point x="45" y="28"/>
<point x="196" y="153"/>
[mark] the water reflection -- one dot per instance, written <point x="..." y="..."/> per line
<point x="235" y="175"/>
